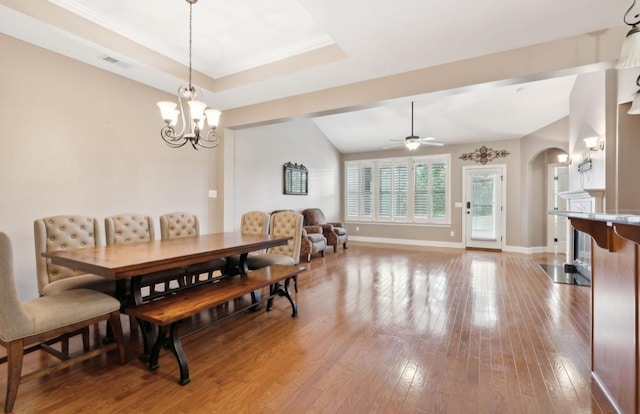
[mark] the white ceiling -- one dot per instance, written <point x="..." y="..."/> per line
<point x="375" y="38"/>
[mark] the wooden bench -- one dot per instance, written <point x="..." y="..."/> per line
<point x="168" y="311"/>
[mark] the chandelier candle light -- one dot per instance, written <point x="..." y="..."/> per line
<point x="193" y="123"/>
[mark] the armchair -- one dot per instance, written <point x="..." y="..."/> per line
<point x="334" y="232"/>
<point x="313" y="241"/>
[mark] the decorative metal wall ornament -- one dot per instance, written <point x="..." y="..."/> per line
<point x="296" y="179"/>
<point x="484" y="155"/>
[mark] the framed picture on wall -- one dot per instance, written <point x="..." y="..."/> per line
<point x="296" y="179"/>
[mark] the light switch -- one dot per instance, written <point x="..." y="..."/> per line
<point x="213" y="194"/>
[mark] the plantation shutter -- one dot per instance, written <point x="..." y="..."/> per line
<point x="385" y="186"/>
<point x="439" y="190"/>
<point x="366" y="191"/>
<point x="421" y="191"/>
<point x="400" y="190"/>
<point x="352" y="201"/>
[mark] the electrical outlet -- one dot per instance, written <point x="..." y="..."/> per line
<point x="452" y="233"/>
<point x="357" y="228"/>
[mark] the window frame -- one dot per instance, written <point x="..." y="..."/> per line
<point x="411" y="164"/>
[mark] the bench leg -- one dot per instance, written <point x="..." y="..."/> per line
<point x="280" y="290"/>
<point x="155" y="352"/>
<point x="146" y="330"/>
<point x="255" y="299"/>
<point x="175" y="346"/>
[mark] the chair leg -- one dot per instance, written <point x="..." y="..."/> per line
<point x="86" y="340"/>
<point x="65" y="344"/>
<point x="133" y="325"/>
<point x="15" y="353"/>
<point x="309" y="258"/>
<point x="116" y="328"/>
<point x="335" y="248"/>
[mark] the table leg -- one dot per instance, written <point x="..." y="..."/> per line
<point x="146" y="329"/>
<point x="173" y="344"/>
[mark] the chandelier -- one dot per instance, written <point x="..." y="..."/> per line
<point x="193" y="124"/>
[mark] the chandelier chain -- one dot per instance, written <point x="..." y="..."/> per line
<point x="190" y="40"/>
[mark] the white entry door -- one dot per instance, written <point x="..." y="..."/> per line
<point x="483" y="207"/>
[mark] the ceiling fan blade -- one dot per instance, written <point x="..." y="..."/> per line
<point x="432" y="143"/>
<point x="392" y="145"/>
<point x="425" y="139"/>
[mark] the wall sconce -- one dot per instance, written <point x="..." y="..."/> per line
<point x="564" y="159"/>
<point x="594" y="143"/>
<point x="630" y="54"/>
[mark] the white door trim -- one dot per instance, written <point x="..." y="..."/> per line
<point x="503" y="218"/>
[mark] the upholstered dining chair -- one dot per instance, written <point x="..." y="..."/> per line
<point x="133" y="228"/>
<point x="62" y="233"/>
<point x="251" y="222"/>
<point x="181" y="224"/>
<point x="35" y="323"/>
<point x="254" y="222"/>
<point x="283" y="223"/>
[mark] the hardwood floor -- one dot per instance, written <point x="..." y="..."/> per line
<point x="381" y="329"/>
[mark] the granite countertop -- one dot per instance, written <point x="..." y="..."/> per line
<point x="622" y="217"/>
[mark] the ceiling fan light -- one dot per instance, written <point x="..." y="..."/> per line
<point x="412" y="143"/>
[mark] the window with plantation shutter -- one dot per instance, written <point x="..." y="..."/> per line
<point x="438" y="186"/>
<point x="366" y="192"/>
<point x="421" y="191"/>
<point x="400" y="191"/>
<point x="412" y="190"/>
<point x="385" y="186"/>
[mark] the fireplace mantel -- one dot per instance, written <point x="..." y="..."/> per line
<point x="585" y="200"/>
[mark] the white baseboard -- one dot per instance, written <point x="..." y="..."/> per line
<point x="431" y="243"/>
<point x="409" y="242"/>
<point x="525" y="250"/>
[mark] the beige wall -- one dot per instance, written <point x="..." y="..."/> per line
<point x="628" y="150"/>
<point x="80" y="140"/>
<point x="526" y="191"/>
<point x="439" y="235"/>
<point x="539" y="149"/>
<point x="255" y="157"/>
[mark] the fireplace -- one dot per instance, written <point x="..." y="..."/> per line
<point x="578" y="243"/>
<point x="580" y="260"/>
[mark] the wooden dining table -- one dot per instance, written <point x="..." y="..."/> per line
<point x="128" y="263"/>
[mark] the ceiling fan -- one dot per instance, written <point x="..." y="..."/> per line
<point x="412" y="142"/>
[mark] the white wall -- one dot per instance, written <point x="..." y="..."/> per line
<point x="587" y="118"/>
<point x="79" y="140"/>
<point x="255" y="157"/>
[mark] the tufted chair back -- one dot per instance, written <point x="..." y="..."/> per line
<point x="128" y="228"/>
<point x="175" y="225"/>
<point x="62" y="233"/>
<point x="254" y="222"/>
<point x="287" y="223"/>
